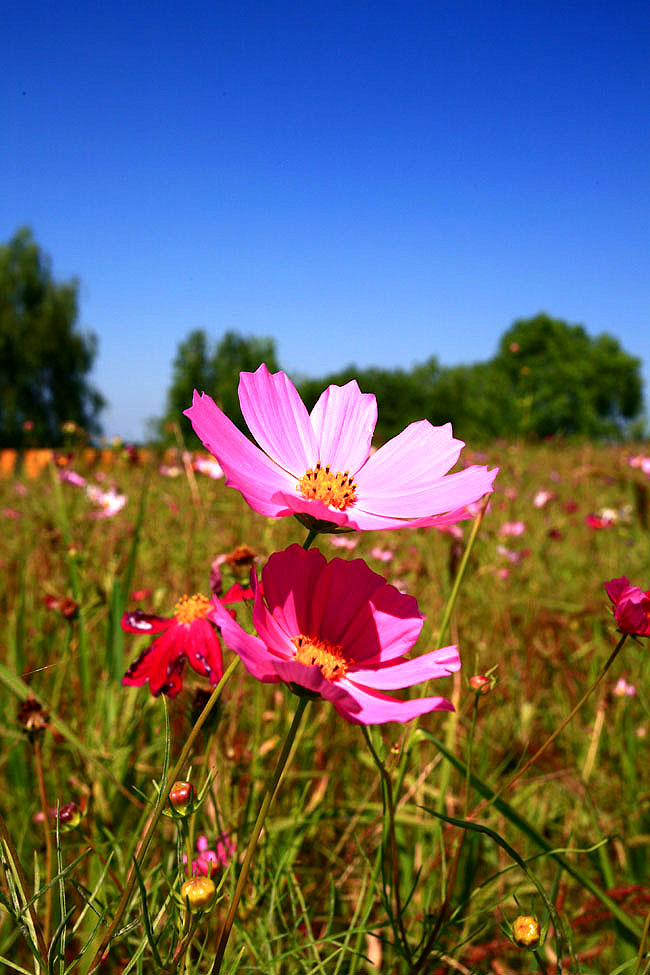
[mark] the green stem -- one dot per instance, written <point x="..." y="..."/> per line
<point x="160" y="805"/>
<point x="257" y="829"/>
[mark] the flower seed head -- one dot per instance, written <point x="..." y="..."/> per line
<point x="526" y="931"/>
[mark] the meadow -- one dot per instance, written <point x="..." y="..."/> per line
<point x="402" y="849"/>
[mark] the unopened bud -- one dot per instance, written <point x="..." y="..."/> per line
<point x="69" y="815"/>
<point x="181" y="797"/>
<point x="526" y="931"/>
<point x="481" y="684"/>
<point x="199" y="893"/>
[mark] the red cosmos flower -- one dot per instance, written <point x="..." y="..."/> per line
<point x="186" y="636"/>
<point x="631" y="606"/>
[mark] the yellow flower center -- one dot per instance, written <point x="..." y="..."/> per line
<point x="320" y="484"/>
<point x="190" y="608"/>
<point x="321" y="653"/>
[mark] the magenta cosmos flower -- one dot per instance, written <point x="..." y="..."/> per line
<point x="187" y="636"/>
<point x="318" y="465"/>
<point x="631" y="606"/>
<point x="338" y="630"/>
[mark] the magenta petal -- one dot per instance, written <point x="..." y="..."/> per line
<point x="247" y="468"/>
<point x="144" y="623"/>
<point x="288" y="581"/>
<point x="339" y="603"/>
<point x="312" y="679"/>
<point x="344" y="420"/>
<point x="375" y="708"/>
<point x="405" y="673"/>
<point x="278" y="419"/>
<point x="616" y="587"/>
<point x="386" y="629"/>
<point x="253" y="652"/>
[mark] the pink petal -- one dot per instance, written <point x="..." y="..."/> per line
<point x="278" y="419"/>
<point x="344" y="420"/>
<point x="417" y="495"/>
<point x="405" y="673"/>
<point x="375" y="708"/>
<point x="420" y="453"/>
<point x="288" y="580"/>
<point x="246" y="467"/>
<point x="254" y="654"/>
<point x="616" y="587"/>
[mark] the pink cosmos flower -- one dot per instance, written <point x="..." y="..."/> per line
<point x="631" y="606"/>
<point x="381" y="554"/>
<point x="108" y="502"/>
<point x="542" y="498"/>
<point x="319" y="465"/>
<point x="209" y="861"/>
<point x="623" y="689"/>
<point x="185" y="636"/>
<point x="597" y="522"/>
<point x="338" y="630"/>
<point x="209" y="466"/>
<point x="342" y="541"/>
<point x="71" y="477"/>
<point x="512" y="529"/>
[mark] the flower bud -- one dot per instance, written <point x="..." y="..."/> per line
<point x="526" y="931"/>
<point x="182" y="796"/>
<point x="199" y="893"/>
<point x="70" y="816"/>
<point x="481" y="684"/>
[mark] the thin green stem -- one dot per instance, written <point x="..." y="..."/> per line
<point x="257" y="829"/>
<point x="160" y="805"/>
<point x="48" y="839"/>
<point x="12" y="854"/>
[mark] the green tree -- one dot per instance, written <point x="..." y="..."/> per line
<point x="44" y="359"/>
<point x="212" y="368"/>
<point x="563" y="381"/>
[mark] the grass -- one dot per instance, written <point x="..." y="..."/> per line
<point x="334" y="888"/>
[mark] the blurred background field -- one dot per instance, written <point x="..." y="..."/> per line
<point x="565" y="517"/>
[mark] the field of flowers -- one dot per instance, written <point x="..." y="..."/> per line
<point x="494" y="838"/>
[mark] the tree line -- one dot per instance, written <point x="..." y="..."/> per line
<point x="547" y="377"/>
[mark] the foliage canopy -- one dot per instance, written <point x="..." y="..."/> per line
<point x="44" y="359"/>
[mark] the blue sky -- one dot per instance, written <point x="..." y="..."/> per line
<point x="369" y="183"/>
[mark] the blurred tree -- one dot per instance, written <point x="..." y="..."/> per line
<point x="562" y="381"/>
<point x="212" y="369"/>
<point x="44" y="360"/>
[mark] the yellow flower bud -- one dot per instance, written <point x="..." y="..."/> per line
<point x="526" y="931"/>
<point x="199" y="893"/>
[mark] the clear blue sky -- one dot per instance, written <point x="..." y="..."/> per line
<point x="366" y="182"/>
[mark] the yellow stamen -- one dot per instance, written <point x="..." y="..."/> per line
<point x="320" y="484"/>
<point x="321" y="653"/>
<point x="190" y="608"/>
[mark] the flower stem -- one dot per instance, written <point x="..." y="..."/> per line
<point x="48" y="838"/>
<point x="313" y="532"/>
<point x="257" y="829"/>
<point x="160" y="805"/>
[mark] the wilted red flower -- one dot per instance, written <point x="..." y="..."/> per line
<point x="63" y="604"/>
<point x="631" y="606"/>
<point x="187" y="635"/>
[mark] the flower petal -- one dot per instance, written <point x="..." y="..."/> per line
<point x="253" y="652"/>
<point x="406" y="477"/>
<point x="289" y="579"/>
<point x="143" y="623"/>
<point x="247" y="468"/>
<point x="278" y="419"/>
<point x="344" y="420"/>
<point x="405" y="673"/>
<point x="371" y="707"/>
<point x="203" y="650"/>
<point x="161" y="664"/>
<point x="386" y="628"/>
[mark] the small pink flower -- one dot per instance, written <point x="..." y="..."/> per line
<point x="342" y="541"/>
<point x="71" y="477"/>
<point x="170" y="470"/>
<point x="542" y="498"/>
<point x="319" y="466"/>
<point x="381" y="554"/>
<point x="503" y="573"/>
<point x="209" y="466"/>
<point x="631" y="606"/>
<point x="209" y="861"/>
<point x="11" y="513"/>
<point x="338" y="630"/>
<point x="513" y="555"/>
<point x="623" y="689"/>
<point x="512" y="529"/>
<point x="109" y="502"/>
